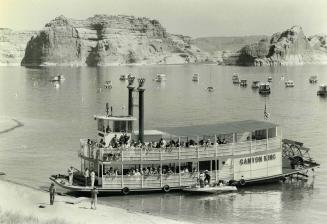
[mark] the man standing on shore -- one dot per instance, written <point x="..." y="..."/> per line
<point x="71" y="175"/>
<point x="94" y="198"/>
<point x="86" y="175"/>
<point x="52" y="191"/>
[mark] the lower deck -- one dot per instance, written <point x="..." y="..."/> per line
<point x="172" y="182"/>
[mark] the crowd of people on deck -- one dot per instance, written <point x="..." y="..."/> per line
<point x="146" y="171"/>
<point x="124" y="142"/>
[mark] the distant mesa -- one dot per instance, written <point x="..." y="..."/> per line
<point x="108" y="40"/>
<point x="290" y="47"/>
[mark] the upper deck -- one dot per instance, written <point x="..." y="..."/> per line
<point x="226" y="139"/>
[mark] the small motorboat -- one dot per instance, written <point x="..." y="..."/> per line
<point x="236" y="79"/>
<point x="322" y="90"/>
<point x="195" y="77"/>
<point x="289" y="83"/>
<point x="210" y="190"/>
<point x="210" y="89"/>
<point x="255" y="84"/>
<point x="108" y="85"/>
<point x="160" y="78"/>
<point x="269" y="79"/>
<point x="129" y="76"/>
<point x="313" y="79"/>
<point x="123" y="78"/>
<point x="243" y="83"/>
<point x="57" y="78"/>
<point x="264" y="88"/>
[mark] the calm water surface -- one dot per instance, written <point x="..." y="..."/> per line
<point x="56" y="118"/>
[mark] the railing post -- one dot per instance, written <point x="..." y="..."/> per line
<point x="141" y="167"/>
<point x="122" y="169"/>
<point x="179" y="163"/>
<point x="160" y="167"/>
<point x="267" y="148"/>
<point x="198" y="156"/>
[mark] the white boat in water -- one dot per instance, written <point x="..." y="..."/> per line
<point x="57" y="78"/>
<point x="123" y="78"/>
<point x="264" y="88"/>
<point x="289" y="83"/>
<point x="210" y="190"/>
<point x="255" y="84"/>
<point x="108" y="85"/>
<point x="236" y="79"/>
<point x="196" y="77"/>
<point x="122" y="159"/>
<point x="160" y="78"/>
<point x="313" y="79"/>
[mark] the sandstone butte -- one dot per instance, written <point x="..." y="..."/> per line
<point x="104" y="40"/>
<point x="108" y="40"/>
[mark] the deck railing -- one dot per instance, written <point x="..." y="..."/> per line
<point x="181" y="153"/>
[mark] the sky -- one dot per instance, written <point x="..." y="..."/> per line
<point x="195" y="18"/>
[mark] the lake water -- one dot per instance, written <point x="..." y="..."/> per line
<point x="56" y="118"/>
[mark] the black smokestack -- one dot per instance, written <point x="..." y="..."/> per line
<point x="130" y="94"/>
<point x="141" y="90"/>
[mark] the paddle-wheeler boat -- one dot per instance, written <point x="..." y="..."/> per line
<point x="235" y="153"/>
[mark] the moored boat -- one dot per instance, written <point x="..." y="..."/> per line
<point x="243" y="83"/>
<point x="123" y="78"/>
<point x="196" y="77"/>
<point x="264" y="88"/>
<point x="160" y="78"/>
<point x="210" y="190"/>
<point x="322" y="90"/>
<point x="313" y="79"/>
<point x="269" y="79"/>
<point x="289" y="83"/>
<point x="57" y="78"/>
<point x="255" y="84"/>
<point x="236" y="79"/>
<point x="108" y="85"/>
<point x="122" y="159"/>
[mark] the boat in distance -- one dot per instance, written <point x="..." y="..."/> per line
<point x="322" y="90"/>
<point x="196" y="77"/>
<point x="289" y="83"/>
<point x="264" y="88"/>
<point x="125" y="160"/>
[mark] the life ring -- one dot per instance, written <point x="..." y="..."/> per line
<point x="242" y="182"/>
<point x="125" y="191"/>
<point x="166" y="188"/>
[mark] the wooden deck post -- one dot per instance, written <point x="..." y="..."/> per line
<point x="267" y="147"/>
<point x="141" y="166"/>
<point x="160" y="167"/>
<point x="179" y="163"/>
<point x="122" y="169"/>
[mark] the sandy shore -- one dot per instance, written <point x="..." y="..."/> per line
<point x="25" y="202"/>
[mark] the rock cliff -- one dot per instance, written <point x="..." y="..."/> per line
<point x="290" y="47"/>
<point x="108" y="40"/>
<point x="12" y="45"/>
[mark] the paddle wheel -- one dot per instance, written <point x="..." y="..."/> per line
<point x="297" y="154"/>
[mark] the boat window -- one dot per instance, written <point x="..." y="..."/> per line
<point x="119" y="126"/>
<point x="101" y="125"/>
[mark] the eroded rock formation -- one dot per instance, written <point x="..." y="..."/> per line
<point x="290" y="47"/>
<point x="108" y="40"/>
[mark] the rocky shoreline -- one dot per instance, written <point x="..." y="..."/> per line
<point x="22" y="204"/>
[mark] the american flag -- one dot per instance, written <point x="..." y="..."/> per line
<point x="265" y="113"/>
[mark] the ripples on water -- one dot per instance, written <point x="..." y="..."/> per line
<point x="55" y="118"/>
